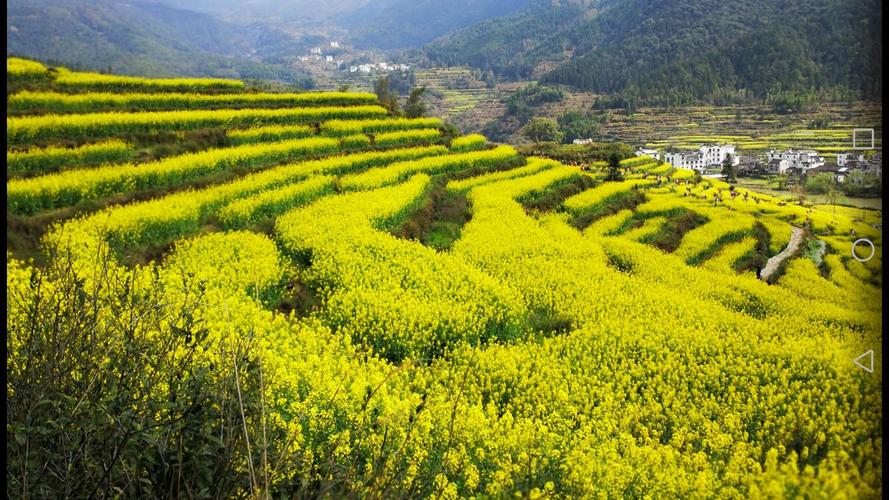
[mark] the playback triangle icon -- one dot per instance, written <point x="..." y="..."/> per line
<point x="865" y="361"/>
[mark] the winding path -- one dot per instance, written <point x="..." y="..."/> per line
<point x="775" y="262"/>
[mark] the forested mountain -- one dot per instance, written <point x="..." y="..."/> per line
<point x="380" y="24"/>
<point x="141" y="37"/>
<point x="681" y="50"/>
<point x="510" y="45"/>
<point x="270" y="11"/>
<point x="392" y="24"/>
<point x="228" y="38"/>
<point x="657" y="51"/>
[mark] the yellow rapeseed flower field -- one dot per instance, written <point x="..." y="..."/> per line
<point x="532" y="357"/>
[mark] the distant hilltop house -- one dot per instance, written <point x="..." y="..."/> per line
<point x="583" y="141"/>
<point x="317" y="54"/>
<point x="383" y="66"/>
<point x="335" y="45"/>
<point x="654" y="153"/>
<point x="707" y="155"/>
<point x="790" y="161"/>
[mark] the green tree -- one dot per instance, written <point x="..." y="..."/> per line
<point x="728" y="168"/>
<point x="140" y="416"/>
<point x="833" y="195"/>
<point x="401" y="82"/>
<point x="860" y="183"/>
<point x="577" y="125"/>
<point x="521" y="101"/>
<point x="826" y="184"/>
<point x="820" y="184"/>
<point x="782" y="182"/>
<point x="820" y="122"/>
<point x="614" y="170"/>
<point x="387" y="99"/>
<point x="541" y="129"/>
<point x="489" y="79"/>
<point x="797" y="187"/>
<point x="415" y="107"/>
<point x="450" y="131"/>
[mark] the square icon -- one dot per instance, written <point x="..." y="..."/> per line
<point x="860" y="135"/>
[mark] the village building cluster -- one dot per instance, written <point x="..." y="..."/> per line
<point x="781" y="162"/>
<point x="801" y="163"/>
<point x="316" y="54"/>
<point x="790" y="162"/>
<point x="706" y="156"/>
<point x="329" y="55"/>
<point x="849" y="163"/>
<point x="382" y="66"/>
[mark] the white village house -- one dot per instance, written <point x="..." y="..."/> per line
<point x="875" y="165"/>
<point x="707" y="155"/>
<point x="849" y="163"/>
<point x="858" y="161"/>
<point x="383" y="66"/>
<point x="843" y="158"/>
<point x="802" y="160"/>
<point x="778" y="166"/>
<point x="654" y="153"/>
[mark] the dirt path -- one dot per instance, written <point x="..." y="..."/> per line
<point x="775" y="262"/>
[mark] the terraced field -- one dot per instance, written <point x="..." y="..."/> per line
<point x="571" y="338"/>
<point x="753" y="129"/>
<point x="458" y="96"/>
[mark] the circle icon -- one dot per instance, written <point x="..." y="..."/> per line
<point x="873" y="249"/>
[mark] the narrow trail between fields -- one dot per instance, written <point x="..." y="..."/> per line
<point x="775" y="262"/>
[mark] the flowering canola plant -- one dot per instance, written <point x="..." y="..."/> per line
<point x="531" y="358"/>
